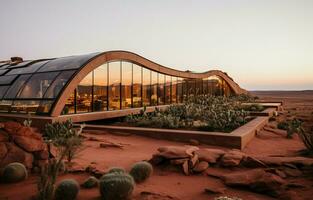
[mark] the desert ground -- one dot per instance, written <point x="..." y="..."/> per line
<point x="171" y="184"/>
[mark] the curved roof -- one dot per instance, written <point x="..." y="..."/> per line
<point x="15" y="78"/>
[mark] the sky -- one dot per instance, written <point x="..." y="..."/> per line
<point x="261" y="44"/>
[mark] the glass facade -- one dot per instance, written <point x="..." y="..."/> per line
<point x="34" y="86"/>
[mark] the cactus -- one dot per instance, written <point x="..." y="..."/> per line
<point x="116" y="170"/>
<point x="67" y="190"/>
<point x="14" y="172"/>
<point x="90" y="182"/>
<point x="116" y="186"/>
<point x="141" y="171"/>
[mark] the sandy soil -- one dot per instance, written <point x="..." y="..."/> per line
<point x="170" y="184"/>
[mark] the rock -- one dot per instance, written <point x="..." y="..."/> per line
<point x="3" y="136"/>
<point x="193" y="161"/>
<point x="295" y="185"/>
<point x="232" y="158"/>
<point x="292" y="172"/>
<point x="14" y="172"/>
<point x="252" y="162"/>
<point x="41" y="155"/>
<point x="214" y="190"/>
<point x="209" y="155"/>
<point x="256" y="180"/>
<point x="16" y="154"/>
<point x="12" y="127"/>
<point x="28" y="131"/>
<point x="279" y="161"/>
<point x="157" y="159"/>
<point x="3" y="150"/>
<point x="90" y="182"/>
<point x="75" y="168"/>
<point x="179" y="161"/>
<point x="41" y="163"/>
<point x="175" y="152"/>
<point x="200" y="167"/>
<point x="194" y="142"/>
<point x="29" y="144"/>
<point x="290" y="195"/>
<point x="186" y="168"/>
<point x="146" y="195"/>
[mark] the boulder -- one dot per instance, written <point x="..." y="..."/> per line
<point x="209" y="155"/>
<point x="176" y="152"/>
<point x="279" y="161"/>
<point x="243" y="178"/>
<point x="16" y="154"/>
<point x="292" y="172"/>
<point x="232" y="158"/>
<point x="3" y="136"/>
<point x="11" y="127"/>
<point x="41" y="155"/>
<point x="214" y="190"/>
<point x="200" y="167"/>
<point x="252" y="162"/>
<point x="29" y="144"/>
<point x="28" y="132"/>
<point x="3" y="150"/>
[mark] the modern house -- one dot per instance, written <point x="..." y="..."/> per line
<point x="99" y="85"/>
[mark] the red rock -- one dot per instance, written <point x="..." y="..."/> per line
<point x="232" y="158"/>
<point x="209" y="155"/>
<point x="12" y="127"/>
<point x="41" y="155"/>
<point x="292" y="172"/>
<point x="3" y="150"/>
<point x="3" y="136"/>
<point x="185" y="168"/>
<point x="29" y="144"/>
<point x="279" y="161"/>
<point x="175" y="152"/>
<point x="252" y="162"/>
<point x="179" y="161"/>
<point x="194" y="142"/>
<point x="243" y="178"/>
<point x="28" y="131"/>
<point x="193" y="161"/>
<point x="200" y="167"/>
<point x="16" y="154"/>
<point x="214" y="190"/>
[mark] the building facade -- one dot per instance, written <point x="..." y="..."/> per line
<point x="100" y="85"/>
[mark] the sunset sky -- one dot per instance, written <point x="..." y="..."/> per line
<point x="263" y="45"/>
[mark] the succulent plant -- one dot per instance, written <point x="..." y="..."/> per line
<point x="67" y="190"/>
<point x="141" y="171"/>
<point x="116" y="170"/>
<point x="90" y="182"/>
<point x="14" y="172"/>
<point x="117" y="186"/>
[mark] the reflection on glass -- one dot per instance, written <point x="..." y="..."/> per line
<point x="5" y="105"/>
<point x="5" y="80"/>
<point x="154" y="88"/>
<point x="3" y="90"/>
<point x="2" y="71"/>
<point x="174" y="89"/>
<point x="179" y="90"/>
<point x="126" y="84"/>
<point x="58" y="84"/>
<point x="146" y="83"/>
<point x="137" y="81"/>
<point x="161" y="92"/>
<point x="17" y="85"/>
<point x="114" y="85"/>
<point x="25" y="106"/>
<point x="29" y="69"/>
<point x="100" y="88"/>
<point x="44" y="107"/>
<point x="84" y="94"/>
<point x="69" y="107"/>
<point x="37" y="85"/>
<point x="168" y="89"/>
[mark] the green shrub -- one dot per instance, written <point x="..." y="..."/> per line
<point x="291" y="126"/>
<point x="90" y="182"/>
<point x="117" y="186"/>
<point x="255" y="107"/>
<point x="14" y="172"/>
<point x="141" y="171"/>
<point x="67" y="190"/>
<point x="282" y="125"/>
<point x="117" y="170"/>
<point x="307" y="139"/>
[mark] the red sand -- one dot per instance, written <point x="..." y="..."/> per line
<point x="166" y="183"/>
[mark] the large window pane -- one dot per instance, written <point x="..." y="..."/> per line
<point x="84" y="94"/>
<point x="179" y="90"/>
<point x="146" y="83"/>
<point x="114" y="85"/>
<point x="7" y="80"/>
<point x="17" y="85"/>
<point x="71" y="62"/>
<point x="21" y="64"/>
<point x="25" y="106"/>
<point x="37" y="85"/>
<point x="174" y="89"/>
<point x="185" y="88"/>
<point x="3" y="90"/>
<point x="5" y="105"/>
<point x="126" y="84"/>
<point x="137" y="81"/>
<point x="198" y="89"/>
<point x="161" y="92"/>
<point x="191" y="87"/>
<point x="3" y="71"/>
<point x="100" y="93"/>
<point x="58" y="84"/>
<point x="44" y="107"/>
<point x="168" y="89"/>
<point x="154" y="88"/>
<point x="29" y="69"/>
<point x="205" y="86"/>
<point x="69" y="107"/>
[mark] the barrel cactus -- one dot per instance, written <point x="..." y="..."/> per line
<point x="117" y="186"/>
<point x="14" y="172"/>
<point x="141" y="171"/>
<point x="67" y="190"/>
<point x="90" y="182"/>
<point x="116" y="170"/>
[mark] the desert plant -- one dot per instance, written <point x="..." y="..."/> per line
<point x="141" y="171"/>
<point x="67" y="189"/>
<point x="14" y="172"/>
<point x="291" y="126"/>
<point x="307" y="139"/>
<point x="28" y="122"/>
<point x="116" y="170"/>
<point x="90" y="182"/>
<point x="255" y="107"/>
<point x="117" y="186"/>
